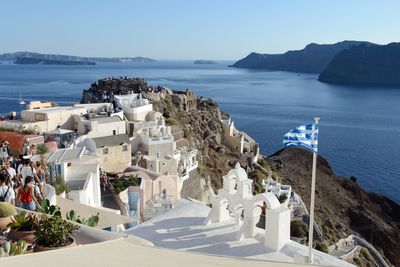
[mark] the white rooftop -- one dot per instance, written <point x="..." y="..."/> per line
<point x="55" y="109"/>
<point x="66" y="154"/>
<point x="183" y="228"/>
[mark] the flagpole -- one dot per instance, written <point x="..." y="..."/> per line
<point x="311" y="223"/>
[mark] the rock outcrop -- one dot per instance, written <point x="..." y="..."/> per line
<point x="365" y="65"/>
<point x="342" y="206"/>
<point x="312" y="59"/>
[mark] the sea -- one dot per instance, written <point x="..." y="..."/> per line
<point x="359" y="126"/>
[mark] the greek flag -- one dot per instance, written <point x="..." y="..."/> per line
<point x="303" y="135"/>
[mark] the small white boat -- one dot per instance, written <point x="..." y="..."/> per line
<point x="21" y="102"/>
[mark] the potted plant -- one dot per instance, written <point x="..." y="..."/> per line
<point x="11" y="249"/>
<point x="22" y="227"/>
<point x="53" y="233"/>
<point x="6" y="212"/>
<point x="14" y="248"/>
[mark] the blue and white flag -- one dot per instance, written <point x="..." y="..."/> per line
<point x="303" y="135"/>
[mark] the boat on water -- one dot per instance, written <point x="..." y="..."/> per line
<point x="21" y="101"/>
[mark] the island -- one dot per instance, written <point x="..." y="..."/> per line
<point x="205" y="62"/>
<point x="312" y="59"/>
<point x="41" y="61"/>
<point x="15" y="55"/>
<point x="365" y="65"/>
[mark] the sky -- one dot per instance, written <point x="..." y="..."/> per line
<point x="189" y="29"/>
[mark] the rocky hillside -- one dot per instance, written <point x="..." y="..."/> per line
<point x="365" y="65"/>
<point x="203" y="130"/>
<point x="342" y="206"/>
<point x="312" y="59"/>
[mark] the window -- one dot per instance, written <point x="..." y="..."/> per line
<point x="105" y="151"/>
<point x="114" y="132"/>
<point x="40" y="117"/>
<point x="124" y="148"/>
<point x="164" y="164"/>
<point x="158" y="155"/>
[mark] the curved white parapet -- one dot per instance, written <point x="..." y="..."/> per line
<point x="49" y="192"/>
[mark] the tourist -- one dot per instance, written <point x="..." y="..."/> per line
<point x="31" y="150"/>
<point x="26" y="170"/>
<point x="7" y="194"/>
<point x="26" y="194"/>
<point x="16" y="162"/>
<point x="11" y="172"/>
<point x="41" y="175"/>
<point x="4" y="152"/>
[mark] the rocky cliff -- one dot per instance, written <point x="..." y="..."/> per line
<point x="365" y="65"/>
<point x="312" y="59"/>
<point x="342" y="206"/>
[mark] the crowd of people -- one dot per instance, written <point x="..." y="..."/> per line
<point x="21" y="180"/>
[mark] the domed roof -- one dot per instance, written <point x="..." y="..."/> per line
<point x="239" y="172"/>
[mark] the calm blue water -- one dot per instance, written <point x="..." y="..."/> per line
<point x="359" y="127"/>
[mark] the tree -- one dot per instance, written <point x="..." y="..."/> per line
<point x="41" y="150"/>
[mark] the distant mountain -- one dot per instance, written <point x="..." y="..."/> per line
<point x="365" y="65"/>
<point x="312" y="59"/>
<point x="14" y="56"/>
<point x="40" y="61"/>
<point x="202" y="61"/>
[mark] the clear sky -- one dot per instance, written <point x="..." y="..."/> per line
<point x="189" y="29"/>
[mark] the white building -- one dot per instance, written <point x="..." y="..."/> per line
<point x="154" y="139"/>
<point x="239" y="141"/>
<point x="100" y="126"/>
<point x="48" y="119"/>
<point x="277" y="189"/>
<point x="80" y="171"/>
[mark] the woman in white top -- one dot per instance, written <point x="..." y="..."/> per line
<point x="7" y="193"/>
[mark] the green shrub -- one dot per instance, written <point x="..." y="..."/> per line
<point x="122" y="183"/>
<point x="298" y="229"/>
<point x="366" y="254"/>
<point x="321" y="246"/>
<point x="282" y="198"/>
<point x="59" y="184"/>
<point x="172" y="121"/>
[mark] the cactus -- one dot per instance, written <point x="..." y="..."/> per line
<point x="2" y="253"/>
<point x="11" y="249"/>
<point x="47" y="208"/>
<point x="18" y="248"/>
<point x="92" y="221"/>
<point x="6" y="210"/>
<point x="6" y="247"/>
